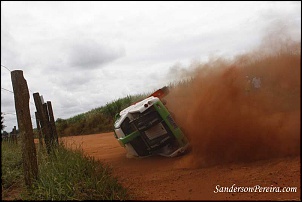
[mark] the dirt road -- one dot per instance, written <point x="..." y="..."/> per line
<point x="160" y="178"/>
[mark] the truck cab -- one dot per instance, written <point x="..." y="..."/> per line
<point x="147" y="128"/>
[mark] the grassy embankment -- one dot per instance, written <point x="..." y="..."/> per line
<point x="67" y="175"/>
<point x="63" y="175"/>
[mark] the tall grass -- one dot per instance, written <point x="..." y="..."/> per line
<point x="96" y="120"/>
<point x="12" y="173"/>
<point x="63" y="175"/>
<point x="71" y="175"/>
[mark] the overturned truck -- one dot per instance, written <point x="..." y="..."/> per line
<point x="147" y="128"/>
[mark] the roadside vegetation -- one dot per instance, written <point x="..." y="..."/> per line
<point x="12" y="171"/>
<point x="63" y="175"/>
<point x="96" y="120"/>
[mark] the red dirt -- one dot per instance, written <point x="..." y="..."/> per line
<point x="160" y="178"/>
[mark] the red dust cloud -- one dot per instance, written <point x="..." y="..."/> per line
<point x="228" y="118"/>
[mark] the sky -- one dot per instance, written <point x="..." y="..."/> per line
<point x="81" y="55"/>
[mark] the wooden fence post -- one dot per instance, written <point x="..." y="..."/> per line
<point x="21" y="96"/>
<point x="52" y="123"/>
<point x="39" y="129"/>
<point x="52" y="139"/>
<point x="44" y="105"/>
<point x="43" y="121"/>
<point x="14" y="135"/>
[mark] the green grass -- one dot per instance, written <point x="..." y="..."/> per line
<point x="63" y="175"/>
<point x="12" y="171"/>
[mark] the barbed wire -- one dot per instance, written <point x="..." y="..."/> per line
<point x="11" y="113"/>
<point x="31" y="94"/>
<point x="7" y="90"/>
<point x="6" y="68"/>
<point x="13" y="93"/>
<point x="11" y="71"/>
<point x="5" y="113"/>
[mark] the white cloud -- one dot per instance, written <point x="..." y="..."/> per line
<point x="90" y="54"/>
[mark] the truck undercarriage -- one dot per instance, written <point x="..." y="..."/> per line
<point x="147" y="128"/>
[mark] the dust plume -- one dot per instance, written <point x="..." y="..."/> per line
<point x="229" y="117"/>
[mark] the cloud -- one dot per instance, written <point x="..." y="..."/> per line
<point x="90" y="54"/>
<point x="9" y="46"/>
